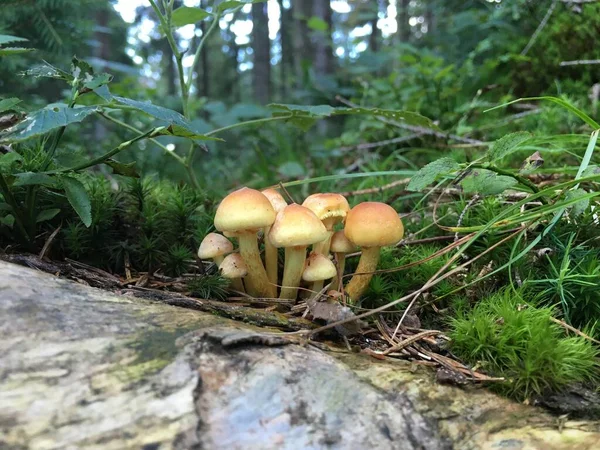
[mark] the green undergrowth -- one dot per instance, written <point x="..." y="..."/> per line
<point x="511" y="338"/>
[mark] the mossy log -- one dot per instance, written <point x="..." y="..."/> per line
<point x="83" y="368"/>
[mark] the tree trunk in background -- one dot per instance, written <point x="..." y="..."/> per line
<point x="323" y="49"/>
<point x="202" y="71"/>
<point x="402" y="18"/>
<point x="261" y="45"/>
<point x="429" y="16"/>
<point x="374" y="37"/>
<point x="303" y="48"/>
<point x="169" y="68"/>
<point x="287" y="52"/>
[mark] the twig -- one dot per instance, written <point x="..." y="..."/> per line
<point x="539" y="28"/>
<point x="412" y="302"/>
<point x="49" y="242"/>
<point x="468" y="206"/>
<point x="375" y="190"/>
<point x="574" y="330"/>
<point x="368" y="145"/>
<point x="408" y="341"/>
<point x="580" y="62"/>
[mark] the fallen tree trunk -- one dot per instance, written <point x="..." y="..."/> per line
<point x="83" y="368"/>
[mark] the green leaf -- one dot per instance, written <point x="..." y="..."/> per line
<point x="84" y="78"/>
<point x="33" y="179"/>
<point x="317" y="24"/>
<point x="578" y="208"/>
<point x="431" y="172"/>
<point x="48" y="71"/>
<point x="508" y="144"/>
<point x="304" y="116"/>
<point x="8" y="104"/>
<point x="6" y="51"/>
<point x="234" y="4"/>
<point x="559" y="101"/>
<point x="44" y="120"/>
<point x="79" y="199"/>
<point x="97" y="80"/>
<point x="187" y="15"/>
<point x="119" y="168"/>
<point x="486" y="182"/>
<point x="6" y="39"/>
<point x="47" y="214"/>
<point x="177" y="124"/>
<point x="7" y="220"/>
<point x="7" y="160"/>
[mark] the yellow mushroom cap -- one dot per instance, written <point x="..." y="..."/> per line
<point x="296" y="225"/>
<point x="213" y="245"/>
<point x="373" y="224"/>
<point x="327" y="205"/>
<point x="244" y="209"/>
<point x="341" y="244"/>
<point x="318" y="268"/>
<point x="233" y="266"/>
<point x="276" y="199"/>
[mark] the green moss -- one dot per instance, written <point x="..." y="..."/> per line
<point x="511" y="338"/>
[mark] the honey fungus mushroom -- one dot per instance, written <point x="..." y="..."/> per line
<point x="215" y="246"/>
<point x="278" y="203"/>
<point x="370" y="225"/>
<point x="234" y="268"/>
<point x="331" y="209"/>
<point x="295" y="228"/>
<point x="244" y="212"/>
<point x="318" y="268"/>
<point x="340" y="246"/>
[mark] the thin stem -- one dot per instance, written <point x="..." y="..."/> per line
<point x="135" y="130"/>
<point x="114" y="151"/>
<point x="248" y="122"/>
<point x="522" y="180"/>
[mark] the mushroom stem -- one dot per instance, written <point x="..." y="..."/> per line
<point x="323" y="246"/>
<point x="367" y="263"/>
<point x="292" y="271"/>
<point x="341" y="263"/>
<point x="257" y="282"/>
<point x="316" y="288"/>
<point x="270" y="259"/>
<point x="218" y="260"/>
<point x="237" y="285"/>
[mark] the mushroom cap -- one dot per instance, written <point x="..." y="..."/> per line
<point x="373" y="224"/>
<point x="214" y="244"/>
<point x="327" y="205"/>
<point x="233" y="266"/>
<point x="318" y="267"/>
<point x="296" y="225"/>
<point x="244" y="209"/>
<point x="276" y="199"/>
<point x="341" y="244"/>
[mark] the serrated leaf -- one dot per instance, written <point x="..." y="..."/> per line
<point x="317" y="24"/>
<point x="95" y="81"/>
<point x="304" y="114"/>
<point x="8" y="104"/>
<point x="47" y="214"/>
<point x="7" y="51"/>
<point x="486" y="182"/>
<point x="79" y="199"/>
<point x="44" y="120"/>
<point x="187" y="15"/>
<point x="6" y="39"/>
<point x="119" y="168"/>
<point x="578" y="208"/>
<point x="33" y="179"/>
<point x="177" y="124"/>
<point x="508" y="144"/>
<point x="47" y="70"/>
<point x="431" y="172"/>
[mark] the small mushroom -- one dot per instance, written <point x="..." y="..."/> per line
<point x="318" y="269"/>
<point x="295" y="228"/>
<point x="215" y="246"/>
<point x="370" y="225"/>
<point x="244" y="212"/>
<point x="331" y="209"/>
<point x="278" y="203"/>
<point x="234" y="268"/>
<point x="340" y="246"/>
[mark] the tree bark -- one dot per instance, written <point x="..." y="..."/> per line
<point x="323" y="49"/>
<point x="303" y="48"/>
<point x="286" y="64"/>
<point x="261" y="46"/>
<point x="402" y="19"/>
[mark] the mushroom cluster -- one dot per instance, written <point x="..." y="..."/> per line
<point x="308" y="235"/>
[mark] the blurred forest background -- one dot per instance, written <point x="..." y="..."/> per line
<point x="446" y="59"/>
